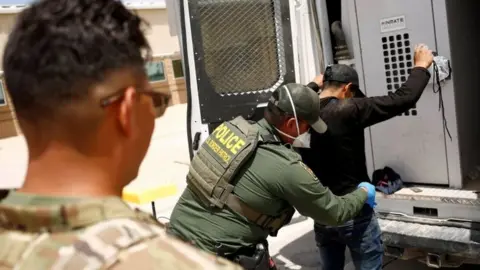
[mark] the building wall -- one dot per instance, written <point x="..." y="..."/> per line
<point x="165" y="53"/>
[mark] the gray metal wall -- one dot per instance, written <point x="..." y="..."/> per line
<point x="415" y="144"/>
<point x="412" y="143"/>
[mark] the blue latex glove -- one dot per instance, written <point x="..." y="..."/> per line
<point x="371" y="193"/>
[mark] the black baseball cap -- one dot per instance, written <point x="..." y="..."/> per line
<point x="344" y="74"/>
<point x="305" y="100"/>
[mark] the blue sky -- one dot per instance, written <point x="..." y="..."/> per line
<point x="20" y="2"/>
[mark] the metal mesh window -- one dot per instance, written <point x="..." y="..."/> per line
<point x="398" y="62"/>
<point x="242" y="44"/>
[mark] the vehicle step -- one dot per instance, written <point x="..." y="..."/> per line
<point x="435" y="194"/>
<point x="435" y="203"/>
<point x="435" y="239"/>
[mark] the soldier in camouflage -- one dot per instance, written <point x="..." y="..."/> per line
<point x="75" y="72"/>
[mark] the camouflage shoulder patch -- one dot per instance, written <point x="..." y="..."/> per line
<point x="308" y="170"/>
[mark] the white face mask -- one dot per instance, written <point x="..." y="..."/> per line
<point x="302" y="140"/>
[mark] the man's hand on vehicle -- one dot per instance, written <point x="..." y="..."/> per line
<point x="370" y="189"/>
<point x="423" y="56"/>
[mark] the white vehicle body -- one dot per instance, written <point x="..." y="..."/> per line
<point x="236" y="52"/>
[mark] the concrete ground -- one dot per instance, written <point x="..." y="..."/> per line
<point x="166" y="163"/>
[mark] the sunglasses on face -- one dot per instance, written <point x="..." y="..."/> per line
<point x="160" y="100"/>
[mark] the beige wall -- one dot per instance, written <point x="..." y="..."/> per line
<point x="8" y="125"/>
<point x="164" y="47"/>
<point x="158" y="34"/>
<point x="6" y="24"/>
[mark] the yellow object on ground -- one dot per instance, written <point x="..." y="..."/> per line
<point x="144" y="195"/>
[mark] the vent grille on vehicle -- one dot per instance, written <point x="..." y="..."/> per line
<point x="398" y="62"/>
<point x="242" y="44"/>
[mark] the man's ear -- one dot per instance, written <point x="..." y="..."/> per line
<point x="126" y="112"/>
<point x="291" y="125"/>
<point x="348" y="90"/>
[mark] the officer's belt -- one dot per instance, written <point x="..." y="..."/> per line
<point x="270" y="223"/>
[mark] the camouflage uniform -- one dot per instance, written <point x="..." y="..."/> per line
<point x="39" y="232"/>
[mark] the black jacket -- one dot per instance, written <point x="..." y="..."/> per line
<point x="338" y="156"/>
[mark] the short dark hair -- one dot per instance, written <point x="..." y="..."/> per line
<point x="59" y="49"/>
<point x="333" y="84"/>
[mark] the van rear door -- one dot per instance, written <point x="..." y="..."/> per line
<point x="235" y="52"/>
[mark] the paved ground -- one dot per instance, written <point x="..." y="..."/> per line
<point x="167" y="163"/>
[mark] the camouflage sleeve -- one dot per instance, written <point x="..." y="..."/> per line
<point x="167" y="253"/>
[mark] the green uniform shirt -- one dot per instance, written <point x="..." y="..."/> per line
<point x="272" y="180"/>
<point x="40" y="232"/>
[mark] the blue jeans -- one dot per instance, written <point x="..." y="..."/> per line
<point x="361" y="235"/>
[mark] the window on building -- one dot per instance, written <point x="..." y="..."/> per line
<point x="177" y="68"/>
<point x="3" y="96"/>
<point x="155" y="71"/>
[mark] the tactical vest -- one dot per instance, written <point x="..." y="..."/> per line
<point x="218" y="161"/>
